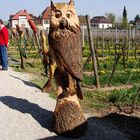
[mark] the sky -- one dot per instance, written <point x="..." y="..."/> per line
<point x="83" y="7"/>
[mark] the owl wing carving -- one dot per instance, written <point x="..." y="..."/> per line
<point x="67" y="50"/>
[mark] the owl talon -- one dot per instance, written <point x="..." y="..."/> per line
<point x="63" y="94"/>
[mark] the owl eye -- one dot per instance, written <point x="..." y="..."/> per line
<point x="58" y="14"/>
<point x="68" y="14"/>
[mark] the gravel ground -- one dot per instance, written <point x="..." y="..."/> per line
<point x="26" y="112"/>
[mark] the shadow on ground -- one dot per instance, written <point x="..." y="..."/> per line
<point x="111" y="127"/>
<point x="30" y="84"/>
<point x="42" y="116"/>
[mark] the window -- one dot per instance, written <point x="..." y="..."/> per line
<point x="46" y="21"/>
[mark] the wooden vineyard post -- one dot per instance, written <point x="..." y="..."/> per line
<point x="124" y="51"/>
<point x="93" y="54"/>
<point x="116" y="43"/>
<point x="83" y="35"/>
<point x="103" y="43"/>
<point x="114" y="68"/>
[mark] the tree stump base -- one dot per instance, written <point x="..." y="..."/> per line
<point x="68" y="118"/>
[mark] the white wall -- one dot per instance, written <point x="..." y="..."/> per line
<point x="22" y="21"/>
<point x="137" y="25"/>
<point x="105" y="25"/>
<point x="45" y="24"/>
<point x="14" y="23"/>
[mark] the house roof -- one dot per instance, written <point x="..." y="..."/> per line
<point x="46" y="13"/>
<point x="21" y="13"/>
<point x="100" y="19"/>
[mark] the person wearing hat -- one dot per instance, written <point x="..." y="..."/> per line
<point x="3" y="46"/>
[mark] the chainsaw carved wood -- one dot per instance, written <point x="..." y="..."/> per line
<point x="21" y="47"/>
<point x="65" y="46"/>
<point x="49" y="68"/>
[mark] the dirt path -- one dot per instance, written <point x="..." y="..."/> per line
<point x="26" y="112"/>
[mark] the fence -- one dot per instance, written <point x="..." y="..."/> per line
<point x="107" y="41"/>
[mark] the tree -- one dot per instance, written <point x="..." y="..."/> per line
<point x="118" y="22"/>
<point x="137" y="17"/>
<point x="124" y="19"/>
<point x="111" y="17"/>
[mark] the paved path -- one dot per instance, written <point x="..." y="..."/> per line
<point x="26" y="112"/>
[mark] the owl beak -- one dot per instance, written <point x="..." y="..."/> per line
<point x="63" y="23"/>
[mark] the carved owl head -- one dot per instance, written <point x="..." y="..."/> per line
<point x="64" y="15"/>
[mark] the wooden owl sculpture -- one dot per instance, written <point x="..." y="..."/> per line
<point x="65" y="46"/>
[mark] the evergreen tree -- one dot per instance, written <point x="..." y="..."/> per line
<point x="124" y="19"/>
<point x="137" y="17"/>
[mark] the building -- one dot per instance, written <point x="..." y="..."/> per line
<point x="101" y="22"/>
<point x="45" y="18"/>
<point x="20" y="18"/>
<point x="137" y="23"/>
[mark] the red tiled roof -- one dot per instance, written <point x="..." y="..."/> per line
<point x="46" y="13"/>
<point x="21" y="13"/>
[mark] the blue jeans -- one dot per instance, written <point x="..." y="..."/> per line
<point x="4" y="57"/>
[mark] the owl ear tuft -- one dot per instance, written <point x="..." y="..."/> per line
<point x="71" y="2"/>
<point x="52" y="5"/>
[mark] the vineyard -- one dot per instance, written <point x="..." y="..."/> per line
<point x="118" y="65"/>
<point x="117" y="52"/>
<point x="70" y="70"/>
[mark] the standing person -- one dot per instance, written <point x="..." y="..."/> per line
<point x="3" y="46"/>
